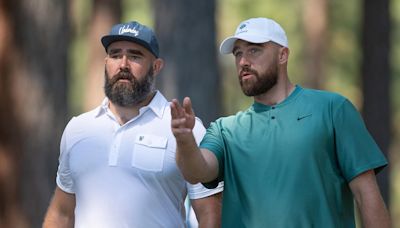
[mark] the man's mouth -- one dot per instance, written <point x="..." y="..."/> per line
<point x="246" y="75"/>
<point x="123" y="77"/>
<point x="123" y="80"/>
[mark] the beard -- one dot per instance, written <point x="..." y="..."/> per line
<point x="128" y="94"/>
<point x="263" y="83"/>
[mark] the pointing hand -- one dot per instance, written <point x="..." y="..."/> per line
<point x="183" y="118"/>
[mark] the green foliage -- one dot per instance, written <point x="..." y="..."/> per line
<point x="78" y="54"/>
<point x="343" y="57"/>
<point x="395" y="88"/>
<point x="78" y="59"/>
<point x="137" y="10"/>
<point x="395" y="58"/>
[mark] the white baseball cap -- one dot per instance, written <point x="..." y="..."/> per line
<point x="255" y="30"/>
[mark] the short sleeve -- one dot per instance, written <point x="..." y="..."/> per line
<point x="198" y="191"/>
<point x="64" y="178"/>
<point x="356" y="150"/>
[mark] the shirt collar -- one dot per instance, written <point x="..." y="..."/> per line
<point x="157" y="105"/>
<point x="259" y="107"/>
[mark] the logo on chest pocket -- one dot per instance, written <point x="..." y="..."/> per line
<point x="149" y="152"/>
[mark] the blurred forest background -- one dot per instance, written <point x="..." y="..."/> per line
<point x="52" y="67"/>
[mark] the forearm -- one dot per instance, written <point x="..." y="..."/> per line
<point x="373" y="213"/>
<point x="208" y="211"/>
<point x="192" y="162"/>
<point x="60" y="213"/>
<point x="210" y="220"/>
<point x="369" y="201"/>
<point x="54" y="220"/>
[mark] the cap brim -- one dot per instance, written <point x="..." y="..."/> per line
<point x="107" y="40"/>
<point x="227" y="44"/>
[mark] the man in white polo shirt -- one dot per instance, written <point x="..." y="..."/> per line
<point x="117" y="163"/>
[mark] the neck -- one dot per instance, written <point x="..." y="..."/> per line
<point x="124" y="114"/>
<point x="276" y="94"/>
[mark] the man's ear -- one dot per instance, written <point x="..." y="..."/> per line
<point x="283" y="55"/>
<point x="106" y="58"/>
<point x="158" y="64"/>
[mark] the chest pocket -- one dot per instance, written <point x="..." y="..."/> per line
<point x="149" y="152"/>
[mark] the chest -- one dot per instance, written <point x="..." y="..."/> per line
<point x="278" y="138"/>
<point x="139" y="151"/>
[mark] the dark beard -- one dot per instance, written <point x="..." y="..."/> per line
<point x="128" y="94"/>
<point x="263" y="83"/>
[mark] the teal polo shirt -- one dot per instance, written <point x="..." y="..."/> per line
<point x="289" y="165"/>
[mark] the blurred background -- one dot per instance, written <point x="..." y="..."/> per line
<point x="52" y="68"/>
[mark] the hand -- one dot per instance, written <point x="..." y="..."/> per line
<point x="182" y="118"/>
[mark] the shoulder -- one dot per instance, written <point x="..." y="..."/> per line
<point x="231" y="120"/>
<point x="322" y="99"/>
<point x="80" y="126"/>
<point x="83" y="119"/>
<point x="322" y="95"/>
<point x="326" y="102"/>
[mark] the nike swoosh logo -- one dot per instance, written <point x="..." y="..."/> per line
<point x="303" y="116"/>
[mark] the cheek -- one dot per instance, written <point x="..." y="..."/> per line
<point x="263" y="66"/>
<point x="138" y="69"/>
<point x="111" y="69"/>
<point x="138" y="74"/>
<point x="145" y="69"/>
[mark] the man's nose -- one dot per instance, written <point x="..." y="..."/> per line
<point x="124" y="62"/>
<point x="243" y="61"/>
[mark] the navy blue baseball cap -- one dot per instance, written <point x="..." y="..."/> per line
<point x="135" y="32"/>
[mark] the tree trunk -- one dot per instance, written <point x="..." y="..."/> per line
<point x="105" y="14"/>
<point x="375" y="72"/>
<point x="315" y="27"/>
<point x="33" y="106"/>
<point x="186" y="32"/>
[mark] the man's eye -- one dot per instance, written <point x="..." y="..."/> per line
<point x="253" y="50"/>
<point x="237" y="54"/>
<point x="115" y="56"/>
<point x="133" y="57"/>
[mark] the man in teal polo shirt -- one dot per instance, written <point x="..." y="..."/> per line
<point x="296" y="158"/>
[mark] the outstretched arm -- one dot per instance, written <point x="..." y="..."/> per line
<point x="369" y="201"/>
<point x="196" y="165"/>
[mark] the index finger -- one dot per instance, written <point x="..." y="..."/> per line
<point x="187" y="105"/>
<point x="175" y="106"/>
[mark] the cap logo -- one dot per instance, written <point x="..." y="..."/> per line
<point x="242" y="28"/>
<point x="127" y="29"/>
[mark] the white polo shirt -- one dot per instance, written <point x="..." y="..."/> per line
<point x="126" y="176"/>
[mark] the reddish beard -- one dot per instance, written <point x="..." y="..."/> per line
<point x="261" y="83"/>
